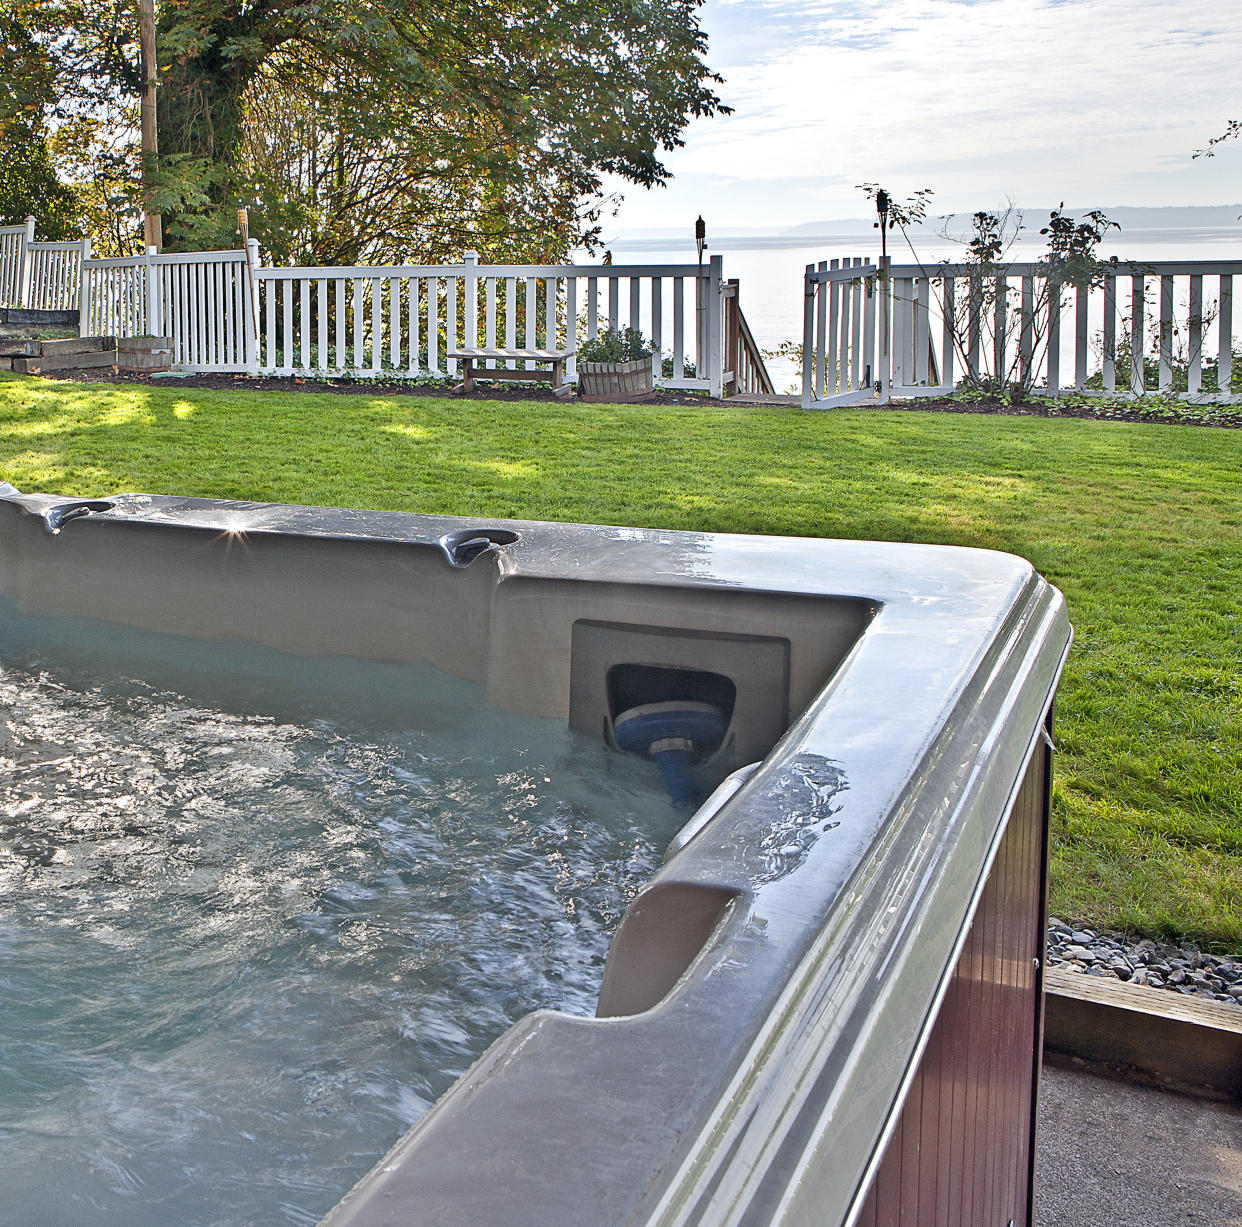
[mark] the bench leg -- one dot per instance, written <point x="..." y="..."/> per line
<point x="559" y="386"/>
<point x="467" y="376"/>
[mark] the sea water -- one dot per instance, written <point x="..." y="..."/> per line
<point x="257" y="913"/>
<point x="770" y="268"/>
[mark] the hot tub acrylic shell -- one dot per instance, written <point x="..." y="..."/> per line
<point x="773" y="993"/>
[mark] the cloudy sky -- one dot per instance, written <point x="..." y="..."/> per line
<point x="1095" y="102"/>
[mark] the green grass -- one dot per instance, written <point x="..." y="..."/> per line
<point x="1139" y="525"/>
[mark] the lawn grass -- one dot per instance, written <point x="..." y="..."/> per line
<point x="1139" y="525"/>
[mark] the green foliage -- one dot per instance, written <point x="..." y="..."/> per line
<point x="326" y="187"/>
<point x="1069" y="262"/>
<point x="28" y="71"/>
<point x="28" y="182"/>
<point x="1179" y="371"/>
<point x="1120" y="407"/>
<point x="688" y="370"/>
<point x="1071" y="258"/>
<point x="1140" y="526"/>
<point x="99" y="164"/>
<point x="69" y="75"/>
<point x="900" y="213"/>
<point x="390" y="129"/>
<point x="29" y="186"/>
<point x="615" y="345"/>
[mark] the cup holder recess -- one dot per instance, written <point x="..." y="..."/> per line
<point x="58" y="515"/>
<point x="462" y="547"/>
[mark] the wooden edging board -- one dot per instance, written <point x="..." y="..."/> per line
<point x="1180" y="1042"/>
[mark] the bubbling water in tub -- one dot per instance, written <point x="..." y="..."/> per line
<point x="257" y="912"/>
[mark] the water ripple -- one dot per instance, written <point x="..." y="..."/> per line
<point x="246" y="941"/>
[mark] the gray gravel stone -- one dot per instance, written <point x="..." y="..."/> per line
<point x="1080" y="954"/>
<point x="1177" y="968"/>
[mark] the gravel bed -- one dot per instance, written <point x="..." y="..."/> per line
<point x="1176" y="968"/>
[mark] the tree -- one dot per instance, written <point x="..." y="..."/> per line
<point x="28" y="73"/>
<point x="28" y="182"/>
<point x="332" y="189"/>
<point x="100" y="164"/>
<point x="1233" y="129"/>
<point x="29" y="186"/>
<point x="493" y="112"/>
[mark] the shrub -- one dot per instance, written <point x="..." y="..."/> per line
<point x="615" y="345"/>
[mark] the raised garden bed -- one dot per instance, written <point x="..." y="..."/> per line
<point x="144" y="353"/>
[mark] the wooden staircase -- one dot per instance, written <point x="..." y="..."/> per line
<point x="745" y="373"/>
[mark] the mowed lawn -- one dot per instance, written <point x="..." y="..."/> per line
<point x="1140" y="526"/>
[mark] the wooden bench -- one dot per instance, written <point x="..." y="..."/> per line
<point x="475" y="366"/>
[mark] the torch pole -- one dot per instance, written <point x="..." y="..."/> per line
<point x="882" y="205"/>
<point x="700" y="304"/>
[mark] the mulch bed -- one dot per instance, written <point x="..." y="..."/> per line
<point x="347" y="387"/>
<point x="1226" y="416"/>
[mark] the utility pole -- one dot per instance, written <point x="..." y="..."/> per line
<point x="153" y="226"/>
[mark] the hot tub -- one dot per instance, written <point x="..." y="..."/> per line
<point x="826" y="1006"/>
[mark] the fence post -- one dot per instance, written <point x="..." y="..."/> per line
<point x="886" y="327"/>
<point x="84" y="297"/>
<point x="25" y="264"/>
<point x="808" y="337"/>
<point x="154" y="313"/>
<point x="714" y="354"/>
<point x="732" y="357"/>
<point x="1138" y="355"/>
<point x="471" y="284"/>
<point x="252" y="307"/>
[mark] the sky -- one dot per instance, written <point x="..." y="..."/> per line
<point x="1095" y="102"/>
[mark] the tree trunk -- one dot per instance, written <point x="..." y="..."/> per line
<point x="153" y="232"/>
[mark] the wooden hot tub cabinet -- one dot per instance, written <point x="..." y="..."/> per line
<point x="963" y="1149"/>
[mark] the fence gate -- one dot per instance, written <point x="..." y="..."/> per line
<point x="839" y="362"/>
<point x="203" y="300"/>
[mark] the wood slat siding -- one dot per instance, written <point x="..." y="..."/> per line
<point x="963" y="1149"/>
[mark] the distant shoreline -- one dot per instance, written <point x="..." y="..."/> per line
<point x="1192" y="224"/>
<point x="786" y="242"/>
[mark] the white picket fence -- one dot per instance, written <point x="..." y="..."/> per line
<point x="226" y="312"/>
<point x="13" y="243"/>
<point x="42" y="276"/>
<point x="203" y="300"/>
<point x="1163" y="327"/>
<point x="405" y="320"/>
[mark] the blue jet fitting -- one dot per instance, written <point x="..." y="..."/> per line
<point x="675" y="735"/>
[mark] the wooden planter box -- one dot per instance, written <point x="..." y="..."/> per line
<point x="144" y="353"/>
<point x="616" y="381"/>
